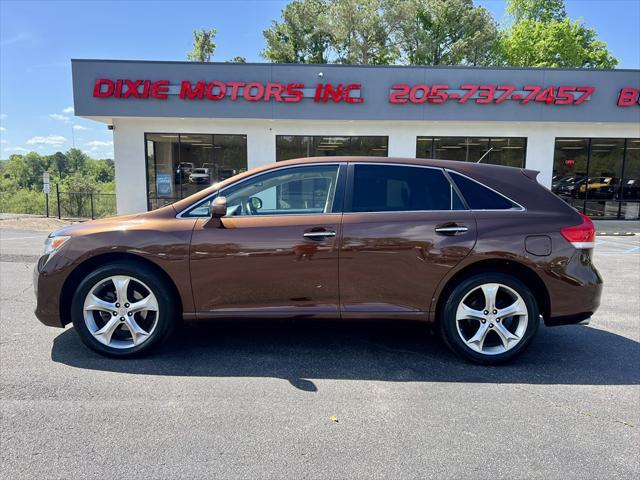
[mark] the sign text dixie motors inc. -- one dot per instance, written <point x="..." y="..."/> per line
<point x="352" y="92"/>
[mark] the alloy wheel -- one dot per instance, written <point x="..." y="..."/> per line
<point x="121" y="312"/>
<point x="492" y="318"/>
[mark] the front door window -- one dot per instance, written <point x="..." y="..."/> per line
<point x="291" y="191"/>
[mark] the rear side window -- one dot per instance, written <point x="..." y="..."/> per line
<point x="389" y="188"/>
<point x="479" y="197"/>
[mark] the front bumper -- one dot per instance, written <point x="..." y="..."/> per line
<point x="47" y="286"/>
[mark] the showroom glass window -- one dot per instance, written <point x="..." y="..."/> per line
<point x="598" y="176"/>
<point x="300" y="146"/>
<point x="510" y="151"/>
<point x="181" y="164"/>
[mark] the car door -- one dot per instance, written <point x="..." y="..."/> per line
<point x="276" y="251"/>
<point x="403" y="229"/>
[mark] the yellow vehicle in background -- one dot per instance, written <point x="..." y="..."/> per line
<point x="598" y="187"/>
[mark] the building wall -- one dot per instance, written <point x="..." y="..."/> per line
<point x="129" y="148"/>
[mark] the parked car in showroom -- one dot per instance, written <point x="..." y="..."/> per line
<point x="598" y="188"/>
<point x="483" y="252"/>
<point x="630" y="190"/>
<point x="559" y="181"/>
<point x="183" y="171"/>
<point x="569" y="187"/>
<point x="200" y="176"/>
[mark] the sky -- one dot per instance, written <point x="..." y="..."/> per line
<point x="38" y="39"/>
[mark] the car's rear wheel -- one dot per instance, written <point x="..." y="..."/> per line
<point x="490" y="318"/>
<point x="123" y="309"/>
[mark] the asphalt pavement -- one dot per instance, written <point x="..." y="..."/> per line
<point x="269" y="399"/>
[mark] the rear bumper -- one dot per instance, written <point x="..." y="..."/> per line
<point x="577" y="290"/>
<point x="578" y="319"/>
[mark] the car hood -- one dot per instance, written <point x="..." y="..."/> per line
<point x="120" y="222"/>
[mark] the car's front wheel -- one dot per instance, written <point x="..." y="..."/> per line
<point x="123" y="309"/>
<point x="490" y="318"/>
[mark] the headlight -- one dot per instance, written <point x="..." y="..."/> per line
<point x="53" y="243"/>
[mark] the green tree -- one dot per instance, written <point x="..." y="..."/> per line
<point x="80" y="182"/>
<point x="21" y="182"/>
<point x="302" y="35"/>
<point x="443" y="32"/>
<point x="539" y="10"/>
<point x="60" y="164"/>
<point x="361" y="34"/>
<point x="77" y="205"/>
<point x="25" y="171"/>
<point x="77" y="160"/>
<point x="101" y="171"/>
<point x="543" y="36"/>
<point x="203" y="45"/>
<point x="237" y="59"/>
<point x="17" y="172"/>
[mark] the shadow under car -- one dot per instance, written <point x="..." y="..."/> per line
<point x="302" y="350"/>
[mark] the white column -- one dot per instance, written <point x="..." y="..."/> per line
<point x="540" y="150"/>
<point x="131" y="177"/>
<point x="261" y="145"/>
<point x="402" y="142"/>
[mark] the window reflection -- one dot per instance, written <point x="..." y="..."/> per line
<point x="598" y="176"/>
<point x="179" y="165"/>
<point x="300" y="146"/>
<point x="510" y="151"/>
<point x="630" y="186"/>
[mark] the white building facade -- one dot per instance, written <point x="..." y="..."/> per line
<point x="179" y="126"/>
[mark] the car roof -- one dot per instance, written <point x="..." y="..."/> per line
<point x="399" y="160"/>
<point x="457" y="165"/>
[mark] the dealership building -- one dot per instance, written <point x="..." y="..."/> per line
<point x="180" y="126"/>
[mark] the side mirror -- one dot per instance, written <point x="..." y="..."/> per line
<point x="217" y="210"/>
<point x="218" y="207"/>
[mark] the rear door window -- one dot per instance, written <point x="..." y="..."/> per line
<point x="479" y="197"/>
<point x="395" y="188"/>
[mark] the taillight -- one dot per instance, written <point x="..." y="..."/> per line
<point x="580" y="236"/>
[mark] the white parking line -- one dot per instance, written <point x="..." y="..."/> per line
<point x="19" y="238"/>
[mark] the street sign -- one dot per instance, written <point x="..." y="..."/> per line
<point x="45" y="182"/>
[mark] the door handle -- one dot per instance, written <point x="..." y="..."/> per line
<point x="451" y="229"/>
<point x="319" y="234"/>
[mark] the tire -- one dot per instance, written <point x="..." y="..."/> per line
<point x="480" y="337"/>
<point x="135" y="328"/>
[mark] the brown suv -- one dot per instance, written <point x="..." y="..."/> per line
<point x="483" y="251"/>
